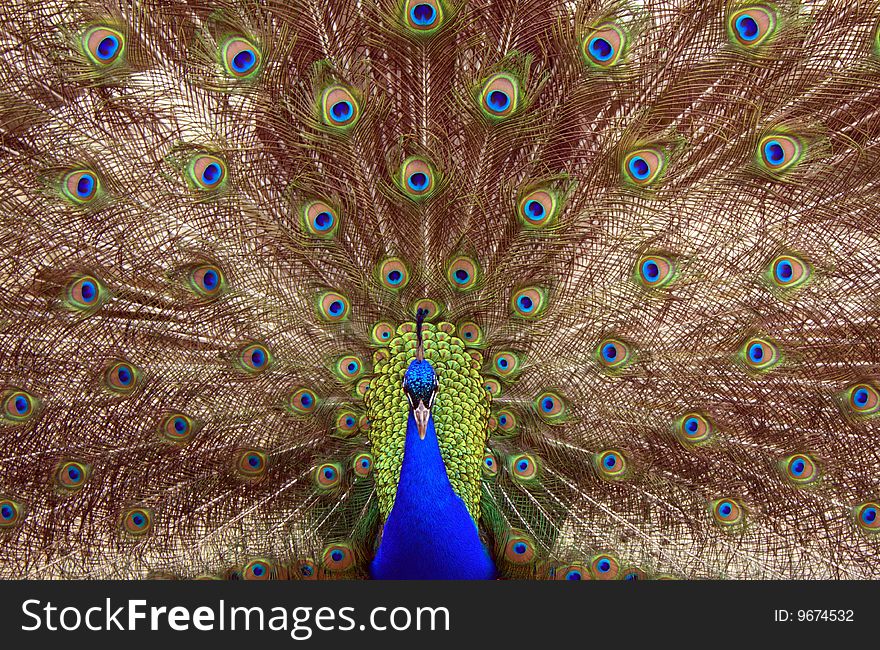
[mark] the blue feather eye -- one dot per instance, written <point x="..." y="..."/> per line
<point x="550" y="406"/>
<point x="393" y="273"/>
<point x="254" y="358"/>
<point x="206" y="172"/>
<point x="80" y="186"/>
<point x="519" y="548"/>
<point x="382" y="332"/>
<point x="572" y="572"/>
<point x="346" y="423"/>
<point x="470" y="333"/>
<point x="85" y="293"/>
<point x="603" y="47"/>
<point x="332" y="306"/>
<point x="778" y="153"/>
<point x="613" y="354"/>
<point x="251" y="464"/>
<point x="241" y="58"/>
<point x="258" y="570"/>
<point x="121" y="377"/>
<point x="178" y="428"/>
<point x="11" y="513"/>
<point x="416" y="178"/>
<point x="611" y="465"/>
<point x="537" y="209"/>
<point x="103" y="46"/>
<point x="605" y="567"/>
<point x="424" y="16"/>
<point x="726" y="512"/>
<point x="320" y="220"/>
<point x="788" y="272"/>
<point x="18" y="406"/>
<point x="328" y="475"/>
<point x="505" y="421"/>
<point x="862" y="399"/>
<point x="529" y="302"/>
<point x="71" y="475"/>
<point x="137" y="521"/>
<point x="633" y="574"/>
<point x="752" y="26"/>
<point x="207" y="281"/>
<point x="655" y="271"/>
<point x="338" y="557"/>
<point x="644" y="166"/>
<point x="868" y="516"/>
<point x="760" y="354"/>
<point x="339" y="107"/>
<point x="506" y="364"/>
<point x="490" y="465"/>
<point x="462" y="273"/>
<point x="349" y="367"/>
<point x="362" y="464"/>
<point x="799" y="469"/>
<point x="499" y="96"/>
<point x="524" y="467"/>
<point x="303" y="401"/>
<point x="693" y="428"/>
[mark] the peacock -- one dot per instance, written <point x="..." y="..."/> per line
<point x="440" y="289"/>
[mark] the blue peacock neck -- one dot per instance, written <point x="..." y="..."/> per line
<point x="429" y="533"/>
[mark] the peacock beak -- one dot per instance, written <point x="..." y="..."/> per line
<point x="421" y="413"/>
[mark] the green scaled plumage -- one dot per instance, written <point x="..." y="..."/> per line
<point x="645" y="234"/>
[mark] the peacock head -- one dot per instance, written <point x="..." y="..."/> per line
<point x="420" y="382"/>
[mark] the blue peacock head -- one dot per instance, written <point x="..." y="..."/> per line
<point x="420" y="381"/>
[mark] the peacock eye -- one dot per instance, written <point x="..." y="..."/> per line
<point x="864" y="399"/>
<point x="339" y="107"/>
<point x="255" y="358"/>
<point x="11" y="513"/>
<point x="393" y="274"/>
<point x="655" y="271"/>
<point x="604" y="45"/>
<point x="332" y="306"/>
<point x="867" y="516"/>
<point x="137" y="521"/>
<point x="103" y="45"/>
<point x="81" y="186"/>
<point x="605" y="567"/>
<point x="800" y="469"/>
<point x="519" y="548"/>
<point x="490" y="465"/>
<point x="85" y="294"/>
<point x="524" y="467"/>
<point x="462" y="273"/>
<point x="363" y="464"/>
<point x="303" y="401"/>
<point x="423" y="15"/>
<point x="257" y="570"/>
<point x="241" y="58"/>
<point x="320" y="220"/>
<point x="251" y="463"/>
<point x="693" y="428"/>
<point x="71" y="475"/>
<point x="346" y="423"/>
<point x="726" y="512"/>
<point x="327" y="475"/>
<point x="177" y="427"/>
<point x="207" y="280"/>
<point x="417" y="178"/>
<point x="499" y="96"/>
<point x="644" y="166"/>
<point x="761" y="354"/>
<point x="382" y="333"/>
<point x="779" y="152"/>
<point x="337" y="557"/>
<point x="752" y="26"/>
<point x="613" y="354"/>
<point x="470" y="333"/>
<point x="121" y="377"/>
<point x="529" y="302"/>
<point x="18" y="406"/>
<point x="611" y="465"/>
<point x="787" y="272"/>
<point x="207" y="172"/>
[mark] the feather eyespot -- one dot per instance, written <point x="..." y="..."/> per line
<point x="868" y="516"/>
<point x="462" y="273"/>
<point x="337" y="557"/>
<point x="81" y="186"/>
<point x="529" y="302"/>
<point x="305" y="569"/>
<point x="788" y="272"/>
<point x="339" y="107"/>
<point x="537" y="209"/>
<point x="349" y="367"/>
<point x="258" y="570"/>
<point x="19" y="406"/>
<point x="303" y="401"/>
<point x="121" y="377"/>
<point x="11" y="513"/>
<point x="800" y="469"/>
<point x="206" y="172"/>
<point x="493" y="387"/>
<point x="71" y="475"/>
<point x="778" y="153"/>
<point x="241" y="58"/>
<point x="633" y="574"/>
<point x="550" y="406"/>
<point x="726" y="512"/>
<point x="417" y="178"/>
<point x="760" y="354"/>
<point x="320" y="220"/>
<point x="490" y="465"/>
<point x="382" y="333"/>
<point x="505" y="364"/>
<point x="332" y="306"/>
<point x="254" y="358"/>
<point x="506" y="421"/>
<point x="252" y="463"/>
<point x="137" y="521"/>
<point x="655" y="271"/>
<point x="85" y="293"/>
<point x="362" y="464"/>
<point x="328" y="475"/>
<point x="431" y="308"/>
<point x="470" y="333"/>
<point x="424" y="16"/>
<point x="613" y="354"/>
<point x="103" y="45"/>
<point x="693" y="428"/>
<point x="362" y="387"/>
<point x="207" y="280"/>
<point x="611" y="465"/>
<point x="519" y="548"/>
<point x="346" y="423"/>
<point x="499" y="96"/>
<point x="604" y="46"/>
<point x="524" y="467"/>
<point x="863" y="399"/>
<point x="393" y="274"/>
<point x="605" y="567"/>
<point x="752" y="26"/>
<point x="178" y="428"/>
<point x="644" y="166"/>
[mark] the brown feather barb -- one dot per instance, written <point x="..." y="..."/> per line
<point x="652" y="224"/>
